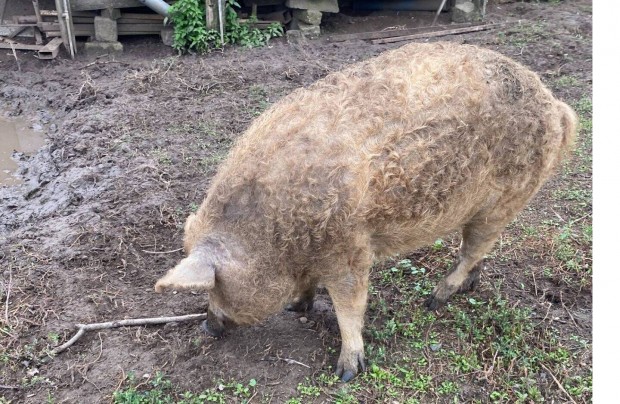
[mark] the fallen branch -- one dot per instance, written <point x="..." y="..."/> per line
<point x="8" y="295"/>
<point x="433" y="34"/>
<point x="559" y="384"/>
<point x="293" y="361"/>
<point x="82" y="328"/>
<point x="389" y="33"/>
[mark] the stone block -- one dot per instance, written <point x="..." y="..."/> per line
<point x="111" y="13"/>
<point x="105" y="30"/>
<point x="96" y="48"/>
<point x="293" y="36"/>
<point x="326" y="6"/>
<point x="308" y="30"/>
<point x="167" y="36"/>
<point x="311" y="17"/>
<point x="466" y="11"/>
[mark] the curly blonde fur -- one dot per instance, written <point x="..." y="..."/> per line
<point x="378" y="159"/>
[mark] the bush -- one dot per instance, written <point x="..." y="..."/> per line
<point x="191" y="33"/>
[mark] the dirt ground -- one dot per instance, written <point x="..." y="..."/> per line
<point x="132" y="142"/>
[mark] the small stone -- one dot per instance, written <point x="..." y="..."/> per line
<point x="293" y="35"/>
<point x="303" y="320"/>
<point x="99" y="48"/>
<point x="167" y="36"/>
<point x="435" y="347"/>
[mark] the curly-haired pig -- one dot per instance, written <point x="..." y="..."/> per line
<point x="379" y="159"/>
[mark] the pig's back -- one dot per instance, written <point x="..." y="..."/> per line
<point x="416" y="139"/>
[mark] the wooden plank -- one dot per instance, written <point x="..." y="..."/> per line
<point x="77" y="33"/>
<point x="437" y="33"/>
<point x="142" y="16"/>
<point x="37" y="36"/>
<point x="82" y="5"/>
<point x="8" y="44"/>
<point x="16" y="30"/>
<point x="37" y="10"/>
<point x="392" y="33"/>
<point x="50" y="51"/>
<point x="52" y="26"/>
<point x="131" y="28"/>
<point x="2" y="8"/>
<point x="54" y="13"/>
<point x="124" y="20"/>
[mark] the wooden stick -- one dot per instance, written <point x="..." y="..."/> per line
<point x="390" y="33"/>
<point x="82" y="328"/>
<point x="37" y="10"/>
<point x="559" y="384"/>
<point x="437" y="33"/>
<point x="8" y="287"/>
<point x="443" y="3"/>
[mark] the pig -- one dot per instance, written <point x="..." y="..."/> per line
<point x="379" y="159"/>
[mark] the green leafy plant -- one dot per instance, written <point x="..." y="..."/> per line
<point x="191" y="33"/>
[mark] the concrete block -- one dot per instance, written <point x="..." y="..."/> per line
<point x="466" y="11"/>
<point x="101" y="48"/>
<point x="312" y="17"/>
<point x="167" y="36"/>
<point x="293" y="36"/>
<point x="111" y="13"/>
<point x="105" y="30"/>
<point x="308" y="30"/>
<point x="326" y="6"/>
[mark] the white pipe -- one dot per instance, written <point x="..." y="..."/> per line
<point x="159" y="6"/>
<point x="222" y="15"/>
<point x="68" y="22"/>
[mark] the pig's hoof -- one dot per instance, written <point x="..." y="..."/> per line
<point x="214" y="332"/>
<point x="434" y="303"/>
<point x="345" y="371"/>
<point x="300" y="306"/>
<point x="471" y="282"/>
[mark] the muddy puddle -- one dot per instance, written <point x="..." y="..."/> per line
<point x="16" y="136"/>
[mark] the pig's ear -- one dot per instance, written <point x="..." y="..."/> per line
<point x="193" y="272"/>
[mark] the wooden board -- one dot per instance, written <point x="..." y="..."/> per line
<point x="392" y="33"/>
<point x="50" y="51"/>
<point x="437" y="33"/>
<point x="82" y="5"/>
<point x="6" y="44"/>
<point x="143" y="16"/>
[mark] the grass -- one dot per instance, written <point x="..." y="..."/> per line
<point x="160" y="390"/>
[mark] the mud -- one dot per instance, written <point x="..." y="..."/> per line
<point x="16" y="138"/>
<point x="131" y="144"/>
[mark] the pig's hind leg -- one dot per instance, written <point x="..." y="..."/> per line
<point x="305" y="302"/>
<point x="479" y="235"/>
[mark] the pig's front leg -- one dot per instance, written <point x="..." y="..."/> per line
<point x="349" y="296"/>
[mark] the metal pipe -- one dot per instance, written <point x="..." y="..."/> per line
<point x="222" y="15"/>
<point x="159" y="6"/>
<point x="68" y="23"/>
